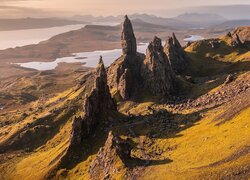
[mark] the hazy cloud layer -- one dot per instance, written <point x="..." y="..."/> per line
<point x="21" y="8"/>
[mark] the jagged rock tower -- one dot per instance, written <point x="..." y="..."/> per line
<point x="97" y="106"/>
<point x="176" y="55"/>
<point x="124" y="74"/>
<point x="156" y="71"/>
<point x="128" y="39"/>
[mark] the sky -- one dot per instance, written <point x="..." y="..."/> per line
<point x="19" y="8"/>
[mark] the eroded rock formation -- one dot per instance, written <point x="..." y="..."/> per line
<point x="97" y="106"/>
<point x="124" y="74"/>
<point x="128" y="39"/>
<point x="133" y="73"/>
<point x="176" y="55"/>
<point x="111" y="158"/>
<point x="156" y="71"/>
<point x="236" y="41"/>
<point x="243" y="34"/>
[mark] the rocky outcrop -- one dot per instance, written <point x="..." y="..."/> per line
<point x="176" y="55"/>
<point x="128" y="39"/>
<point x="215" y="43"/>
<point x="243" y="33"/>
<point x="97" y="106"/>
<point x="124" y="74"/>
<point x="110" y="159"/>
<point x="236" y="41"/>
<point x="133" y="73"/>
<point x="240" y="37"/>
<point x="156" y="71"/>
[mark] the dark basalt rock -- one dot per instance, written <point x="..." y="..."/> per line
<point x="176" y="55"/>
<point x="110" y="158"/>
<point x="132" y="73"/>
<point x="128" y="39"/>
<point x="215" y="43"/>
<point x="124" y="74"/>
<point x="97" y="106"/>
<point x="229" y="34"/>
<point x="156" y="71"/>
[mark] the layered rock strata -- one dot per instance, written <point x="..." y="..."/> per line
<point x="124" y="74"/>
<point x="176" y="55"/>
<point x="156" y="70"/>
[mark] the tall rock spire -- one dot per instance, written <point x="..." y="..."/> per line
<point x="97" y="106"/>
<point x="124" y="76"/>
<point x="175" y="54"/>
<point x="128" y="40"/>
<point x="156" y="70"/>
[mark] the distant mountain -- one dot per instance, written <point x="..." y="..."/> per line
<point x="233" y="23"/>
<point x="152" y="19"/>
<point x="227" y="11"/>
<point x="91" y="18"/>
<point x="169" y="22"/>
<point x="34" y="23"/>
<point x="183" y="21"/>
<point x="203" y="20"/>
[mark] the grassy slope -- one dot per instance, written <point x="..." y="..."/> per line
<point x="202" y="147"/>
<point x="204" y="144"/>
<point x="37" y="163"/>
<point x="225" y="52"/>
<point x="196" y="147"/>
<point x="206" y="149"/>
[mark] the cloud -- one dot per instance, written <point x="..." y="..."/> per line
<point x="8" y="11"/>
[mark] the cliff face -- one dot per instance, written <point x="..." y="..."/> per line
<point x="156" y="70"/>
<point x="96" y="108"/>
<point x="124" y="74"/>
<point x="176" y="55"/>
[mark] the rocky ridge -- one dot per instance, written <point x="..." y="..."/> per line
<point x="96" y="108"/>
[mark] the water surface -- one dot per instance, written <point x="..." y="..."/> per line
<point x="193" y="38"/>
<point x="89" y="59"/>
